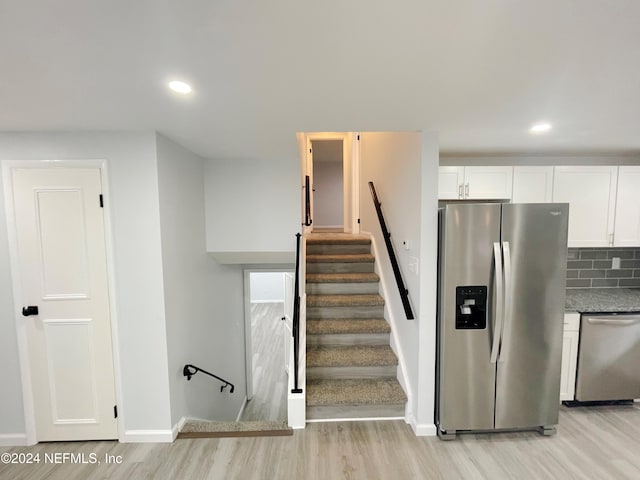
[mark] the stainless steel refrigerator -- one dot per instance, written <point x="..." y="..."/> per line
<point x="501" y="295"/>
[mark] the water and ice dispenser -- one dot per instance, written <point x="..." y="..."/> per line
<point x="471" y="308"/>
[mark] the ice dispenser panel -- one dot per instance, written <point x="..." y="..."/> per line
<point x="471" y="308"/>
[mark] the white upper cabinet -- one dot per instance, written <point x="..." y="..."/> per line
<point x="532" y="184"/>
<point x="475" y="183"/>
<point x="450" y="183"/>
<point x="591" y="193"/>
<point x="627" y="222"/>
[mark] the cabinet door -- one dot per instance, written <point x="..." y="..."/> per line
<point x="569" y="360"/>
<point x="532" y="184"/>
<point x="627" y="224"/>
<point x="591" y="193"/>
<point x="450" y="182"/>
<point x="488" y="182"/>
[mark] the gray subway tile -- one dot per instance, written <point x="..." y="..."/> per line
<point x="637" y="254"/>
<point x="626" y="253"/>
<point x="578" y="264"/>
<point x="593" y="254"/>
<point x="629" y="282"/>
<point x="592" y="274"/>
<point x="636" y="273"/>
<point x="573" y="254"/>
<point x="575" y="283"/>
<point x="630" y="263"/>
<point x="619" y="273"/>
<point x="602" y="264"/>
<point x="604" y="282"/>
<point x="574" y="273"/>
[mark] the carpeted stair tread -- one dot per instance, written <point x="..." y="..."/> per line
<point x="342" y="278"/>
<point x="337" y="239"/>
<point x="340" y="258"/>
<point x="204" y="429"/>
<point x="340" y="326"/>
<point x="357" y="300"/>
<point x="383" y="391"/>
<point x="351" y="356"/>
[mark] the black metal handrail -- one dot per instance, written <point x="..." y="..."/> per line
<point x="296" y="319"/>
<point x="190" y="370"/>
<point x="404" y="293"/>
<point x="307" y="202"/>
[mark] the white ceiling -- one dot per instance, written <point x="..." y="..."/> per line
<point x="479" y="72"/>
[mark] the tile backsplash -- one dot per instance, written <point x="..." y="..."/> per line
<point x="591" y="268"/>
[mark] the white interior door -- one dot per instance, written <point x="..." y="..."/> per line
<point x="62" y="258"/>
<point x="288" y="317"/>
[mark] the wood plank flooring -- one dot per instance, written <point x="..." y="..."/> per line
<point x="269" y="378"/>
<point x="592" y="443"/>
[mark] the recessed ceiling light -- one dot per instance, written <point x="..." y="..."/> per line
<point x="540" y="128"/>
<point x="180" y="87"/>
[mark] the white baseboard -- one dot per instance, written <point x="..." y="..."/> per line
<point x="423" y="429"/>
<point x="13" y="440"/>
<point x="147" y="436"/>
<point x="353" y="419"/>
<point x="275" y="300"/>
<point x="244" y="404"/>
<point x="177" y="427"/>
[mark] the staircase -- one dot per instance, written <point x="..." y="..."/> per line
<point x="351" y="370"/>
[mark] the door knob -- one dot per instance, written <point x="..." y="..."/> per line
<point x="30" y="310"/>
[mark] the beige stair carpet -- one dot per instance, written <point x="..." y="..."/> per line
<point x="202" y="429"/>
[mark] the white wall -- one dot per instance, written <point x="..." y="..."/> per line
<point x="266" y="287"/>
<point x="253" y="207"/>
<point x="133" y="210"/>
<point x="515" y="159"/>
<point x="328" y="195"/>
<point x="403" y="167"/>
<point x="203" y="300"/>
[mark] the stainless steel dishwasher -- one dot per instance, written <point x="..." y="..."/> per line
<point x="608" y="357"/>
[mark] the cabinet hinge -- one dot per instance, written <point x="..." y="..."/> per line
<point x="115" y="411"/>
<point x="101" y="201"/>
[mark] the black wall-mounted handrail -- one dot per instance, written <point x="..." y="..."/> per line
<point x="296" y="319"/>
<point x="307" y="202"/>
<point x="404" y="293"/>
<point x="190" y="370"/>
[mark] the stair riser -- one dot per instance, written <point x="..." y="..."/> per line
<point x="325" y="412"/>
<point x="337" y="249"/>
<point x="345" y="312"/>
<point x="376" y="371"/>
<point x="345" y="339"/>
<point x="342" y="288"/>
<point x="353" y="267"/>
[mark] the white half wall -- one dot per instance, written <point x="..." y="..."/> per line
<point x="266" y="287"/>
<point x="203" y="300"/>
<point x="404" y="169"/>
<point x="134" y="216"/>
<point x="252" y="208"/>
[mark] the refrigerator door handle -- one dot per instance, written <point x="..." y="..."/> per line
<point x="508" y="290"/>
<point x="497" y="329"/>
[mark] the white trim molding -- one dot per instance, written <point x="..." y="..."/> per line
<point x="423" y="429"/>
<point x="147" y="436"/>
<point x="14" y="440"/>
<point x="177" y="427"/>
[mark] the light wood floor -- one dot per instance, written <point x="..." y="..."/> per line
<point x="592" y="443"/>
<point x="269" y="378"/>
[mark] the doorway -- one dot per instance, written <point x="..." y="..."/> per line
<point x="328" y="185"/>
<point x="267" y="334"/>
<point x="61" y="283"/>
<point x="330" y="166"/>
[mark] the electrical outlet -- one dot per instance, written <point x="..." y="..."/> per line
<point x="413" y="264"/>
<point x="615" y="263"/>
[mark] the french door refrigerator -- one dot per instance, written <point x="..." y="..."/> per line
<point x="501" y="296"/>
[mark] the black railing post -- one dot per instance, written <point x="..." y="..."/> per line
<point x="307" y="202"/>
<point x="296" y="318"/>
<point x="404" y="293"/>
